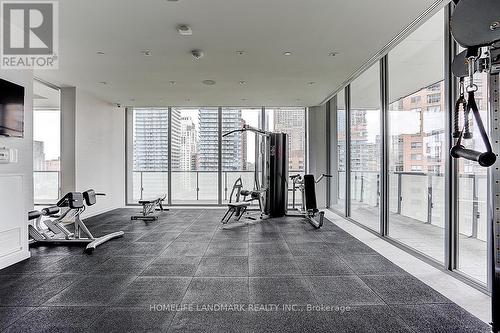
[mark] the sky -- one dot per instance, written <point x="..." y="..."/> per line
<point x="46" y="128"/>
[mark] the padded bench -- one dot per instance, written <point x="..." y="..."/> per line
<point x="149" y="206"/>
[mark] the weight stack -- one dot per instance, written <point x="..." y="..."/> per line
<point x="277" y="195"/>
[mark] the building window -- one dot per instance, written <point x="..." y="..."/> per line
<point x="415" y="99"/>
<point x="46" y="144"/>
<point x="417" y="218"/>
<point x="365" y="149"/>
<point x="416" y="145"/>
<point x="434" y="98"/>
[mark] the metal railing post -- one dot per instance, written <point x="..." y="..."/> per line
<point x="400" y="191"/>
<point x="197" y="185"/>
<point x="475" y="207"/>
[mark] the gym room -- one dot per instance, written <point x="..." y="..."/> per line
<point x="249" y="166"/>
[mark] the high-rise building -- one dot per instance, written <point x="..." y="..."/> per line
<point x="188" y="144"/>
<point x="151" y="139"/>
<point x="233" y="146"/>
<point x="291" y="121"/>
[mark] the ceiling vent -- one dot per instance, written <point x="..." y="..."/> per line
<point x="184" y="30"/>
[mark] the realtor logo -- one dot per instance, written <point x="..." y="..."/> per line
<point x="29" y="35"/>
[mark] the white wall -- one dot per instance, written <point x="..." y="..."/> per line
<point x="16" y="180"/>
<point x="317" y="149"/>
<point x="100" y="151"/>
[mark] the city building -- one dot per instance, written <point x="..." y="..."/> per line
<point x="188" y="145"/>
<point x="291" y="121"/>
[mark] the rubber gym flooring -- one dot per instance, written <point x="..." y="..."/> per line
<point x="183" y="273"/>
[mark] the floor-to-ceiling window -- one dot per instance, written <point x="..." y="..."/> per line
<point x="472" y="197"/>
<point x="150" y="153"/>
<point x="46" y="144"/>
<point x="417" y="139"/>
<point x="239" y="159"/>
<point x="338" y="149"/>
<point x="195" y="155"/>
<point x="365" y="148"/>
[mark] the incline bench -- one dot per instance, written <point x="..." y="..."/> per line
<point x="149" y="207"/>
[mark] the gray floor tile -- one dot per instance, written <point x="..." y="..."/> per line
<point x="284" y="290"/>
<point x="123" y="265"/>
<point x="311" y="249"/>
<point x="273" y="266"/>
<point x="343" y="291"/>
<point x="8" y="315"/>
<point x="36" y="289"/>
<point x="403" y="289"/>
<point x="173" y="266"/>
<point x="212" y="321"/>
<point x="92" y="290"/>
<point x="143" y="249"/>
<point x="437" y="318"/>
<point x="163" y="237"/>
<point x="132" y="320"/>
<point x="323" y="266"/>
<point x="299" y="321"/>
<point x="148" y="291"/>
<point x="227" y="249"/>
<point x="180" y="249"/>
<point x="268" y="249"/>
<point x="375" y="264"/>
<point x="32" y="265"/>
<point x="223" y="266"/>
<point x="370" y="318"/>
<point x="204" y="290"/>
<point x="56" y="319"/>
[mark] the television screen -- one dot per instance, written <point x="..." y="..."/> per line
<point x="11" y="109"/>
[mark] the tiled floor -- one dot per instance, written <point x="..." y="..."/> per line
<point x="282" y="272"/>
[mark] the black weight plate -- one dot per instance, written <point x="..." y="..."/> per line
<point x="471" y="22"/>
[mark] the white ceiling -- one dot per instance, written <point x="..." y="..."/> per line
<point x="263" y="29"/>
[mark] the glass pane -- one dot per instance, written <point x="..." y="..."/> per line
<point x="195" y="155"/>
<point x="339" y="151"/>
<point x="150" y="152"/>
<point x="293" y="122"/>
<point x="472" y="196"/>
<point x="46" y="144"/>
<point x="417" y="139"/>
<point x="365" y="148"/>
<point x="239" y="149"/>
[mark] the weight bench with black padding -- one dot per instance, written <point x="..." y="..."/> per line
<point x="149" y="206"/>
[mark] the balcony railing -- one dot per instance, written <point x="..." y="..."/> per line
<point x="199" y="187"/>
<point x="420" y="197"/>
<point x="46" y="187"/>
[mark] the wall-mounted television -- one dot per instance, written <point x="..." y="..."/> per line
<point x="11" y="109"/>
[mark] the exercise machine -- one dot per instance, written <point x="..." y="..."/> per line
<point x="309" y="208"/>
<point x="71" y="206"/>
<point x="240" y="200"/>
<point x="149" y="206"/>
<point x="475" y="25"/>
<point x="270" y="175"/>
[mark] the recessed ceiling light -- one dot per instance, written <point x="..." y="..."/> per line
<point x="243" y="99"/>
<point x="287" y="53"/>
<point x="188" y="99"/>
<point x="172" y="0"/>
<point x="298" y="99"/>
<point x="103" y="82"/>
<point x="241" y="53"/>
<point x="243" y="82"/>
<point x="172" y="83"/>
<point x="184" y="30"/>
<point x="333" y="54"/>
<point x="146" y="53"/>
<point x="100" y="53"/>
<point x="132" y="99"/>
<point x="311" y="83"/>
<point x="208" y="82"/>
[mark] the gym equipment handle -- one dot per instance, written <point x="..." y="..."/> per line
<point x="485" y="159"/>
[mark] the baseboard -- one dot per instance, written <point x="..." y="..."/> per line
<point x="91" y="213"/>
<point x="13" y="258"/>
